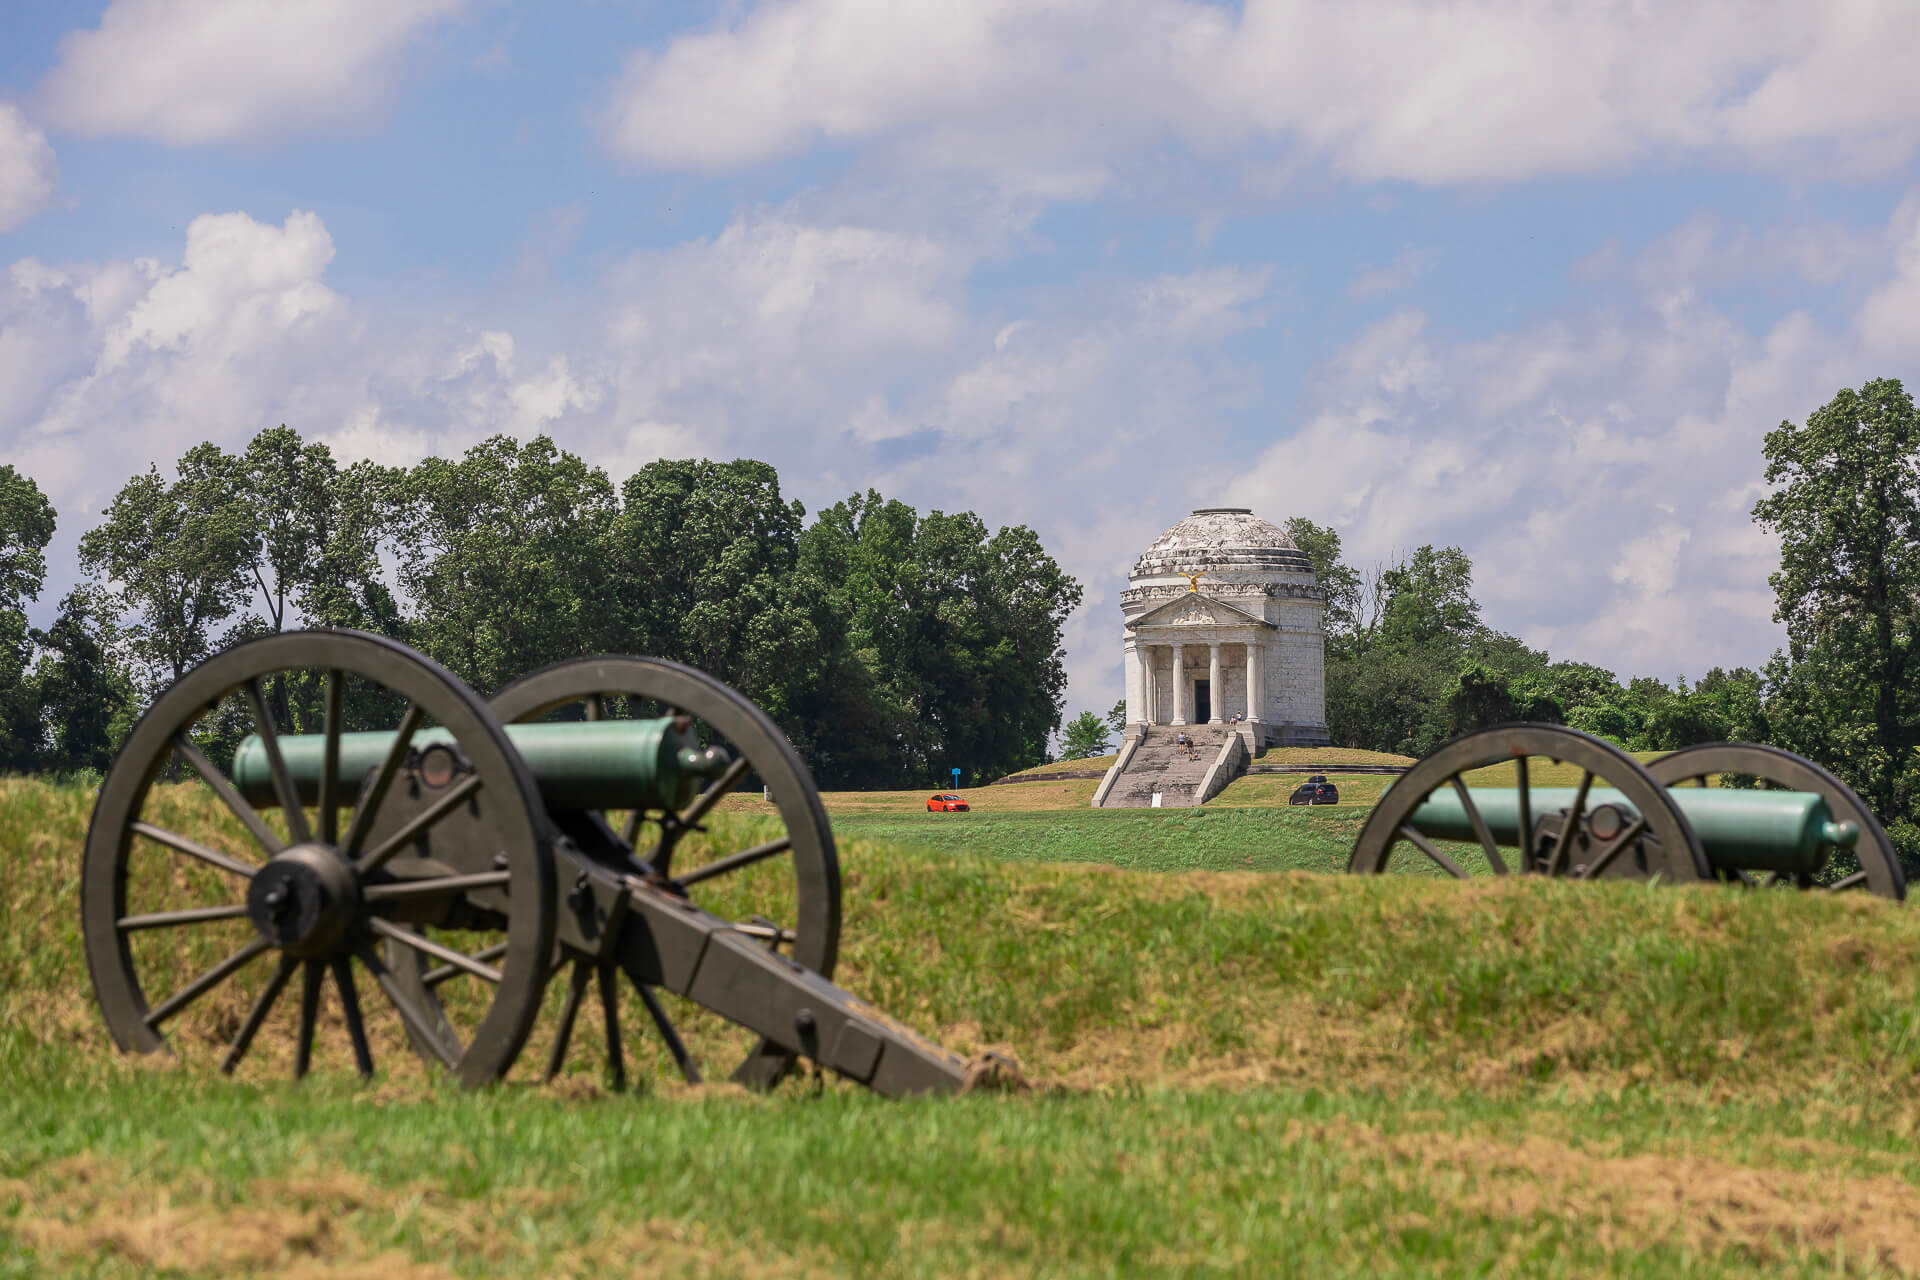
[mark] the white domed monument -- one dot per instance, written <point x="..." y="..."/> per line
<point x="1224" y="647"/>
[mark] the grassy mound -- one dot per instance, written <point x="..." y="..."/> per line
<point x="1306" y="1073"/>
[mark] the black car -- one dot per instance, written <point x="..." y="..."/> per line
<point x="1316" y="790"/>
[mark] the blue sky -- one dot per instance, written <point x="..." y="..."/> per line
<point x="1529" y="279"/>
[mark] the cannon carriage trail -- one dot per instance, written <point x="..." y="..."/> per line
<point x="1239" y="1065"/>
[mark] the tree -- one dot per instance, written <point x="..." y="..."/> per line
<point x="176" y="556"/>
<point x="505" y="556"/>
<point x="1429" y="599"/>
<point x="1339" y="582"/>
<point x="960" y="629"/>
<point x="83" y="691"/>
<point x="1846" y="506"/>
<point x="26" y="526"/>
<point x="1117" y="718"/>
<point x="1085" y="736"/>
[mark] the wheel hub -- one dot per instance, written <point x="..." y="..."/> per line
<point x="304" y="899"/>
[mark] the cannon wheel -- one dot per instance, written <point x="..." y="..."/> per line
<point x="1389" y="833"/>
<point x="597" y="685"/>
<point x="1880" y="873"/>
<point x="310" y="894"/>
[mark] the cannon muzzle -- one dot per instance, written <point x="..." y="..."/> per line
<point x="1785" y="831"/>
<point x="599" y="764"/>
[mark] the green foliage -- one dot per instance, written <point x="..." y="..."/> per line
<point x="505" y="556"/>
<point x="26" y="526"/>
<point x="84" y="696"/>
<point x="1846" y="506"/>
<point x="958" y="630"/>
<point x="1338" y="581"/>
<point x="178" y="555"/>
<point x="1084" y="737"/>
<point x="1117" y="718"/>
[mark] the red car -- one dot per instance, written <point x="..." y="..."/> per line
<point x="946" y="802"/>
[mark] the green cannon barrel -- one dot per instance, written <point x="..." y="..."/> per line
<point x="1787" y="831"/>
<point x="600" y="764"/>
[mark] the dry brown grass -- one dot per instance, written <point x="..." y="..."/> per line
<point x="338" y="1226"/>
<point x="1711" y="1205"/>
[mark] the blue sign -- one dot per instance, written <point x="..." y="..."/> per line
<point x="956" y="776"/>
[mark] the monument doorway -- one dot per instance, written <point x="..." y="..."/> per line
<point x="1202" y="701"/>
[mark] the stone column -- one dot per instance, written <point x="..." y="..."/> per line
<point x="1256" y="682"/>
<point x="1179" y="684"/>
<point x="1215" y="693"/>
<point x="1147" y="688"/>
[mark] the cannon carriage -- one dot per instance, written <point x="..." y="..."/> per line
<point x="467" y="854"/>
<point x="1795" y="825"/>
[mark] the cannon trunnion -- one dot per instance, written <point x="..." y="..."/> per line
<point x="1625" y="820"/>
<point x="467" y="853"/>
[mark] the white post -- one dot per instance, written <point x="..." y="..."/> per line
<point x="1179" y="684"/>
<point x="1215" y="694"/>
<point x="1256" y="681"/>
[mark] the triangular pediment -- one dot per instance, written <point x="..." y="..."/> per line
<point x="1197" y="610"/>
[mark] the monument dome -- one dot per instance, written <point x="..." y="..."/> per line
<point x="1223" y="625"/>
<point x="1222" y="537"/>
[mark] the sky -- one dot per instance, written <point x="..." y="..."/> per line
<point x="1532" y="279"/>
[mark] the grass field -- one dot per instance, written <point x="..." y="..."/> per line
<point x="1240" y="1067"/>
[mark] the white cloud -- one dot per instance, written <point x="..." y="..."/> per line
<point x="28" y="171"/>
<point x="200" y="71"/>
<point x="1051" y="95"/>
<point x="1599" y="467"/>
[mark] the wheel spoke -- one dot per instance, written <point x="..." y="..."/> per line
<point x="576" y="991"/>
<point x="1480" y="830"/>
<point x="1526" y="814"/>
<point x="610" y="1015"/>
<point x="212" y="857"/>
<point x="1572" y="823"/>
<point x="1426" y="846"/>
<point x="703" y="804"/>
<point x="417" y="1023"/>
<point x="689" y="1069"/>
<point x="596" y="707"/>
<point x="434" y="977"/>
<point x="204" y="983"/>
<point x="309" y="1017"/>
<point x="632" y="830"/>
<point x="356" y="1025"/>
<point x="173" y="919"/>
<point x="734" y="861"/>
<point x="436" y="886"/>
<point x="1613" y="847"/>
<point x="1857" y="880"/>
<point x="267" y="838"/>
<point x="262" y="1005"/>
<point x="377" y="792"/>
<point x="330" y="762"/>
<point x="418" y="824"/>
<point x="419" y="942"/>
<point x="283" y="785"/>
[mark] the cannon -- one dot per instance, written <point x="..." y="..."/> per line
<point x="465" y="855"/>
<point x="1625" y="820"/>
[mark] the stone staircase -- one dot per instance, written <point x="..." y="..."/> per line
<point x="1158" y="763"/>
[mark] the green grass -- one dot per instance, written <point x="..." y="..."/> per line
<point x="1206" y="839"/>
<point x="1251" y="1074"/>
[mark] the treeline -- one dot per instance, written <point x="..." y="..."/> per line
<point x="1410" y="663"/>
<point x="891" y="646"/>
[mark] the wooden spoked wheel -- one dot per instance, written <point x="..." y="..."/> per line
<point x="771" y="868"/>
<point x="197" y="916"/>
<point x="1589" y="842"/>
<point x="1879" y="870"/>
